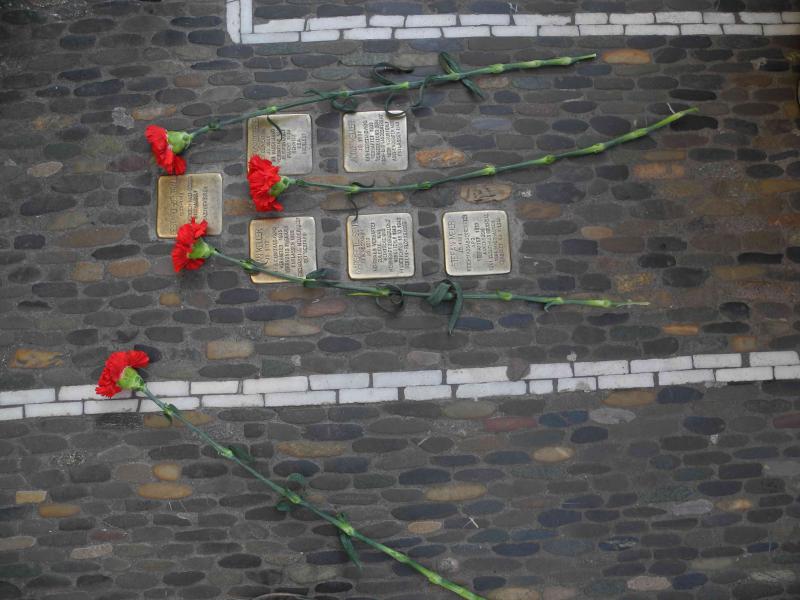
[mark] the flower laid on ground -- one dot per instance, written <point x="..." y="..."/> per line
<point x="166" y="146"/>
<point x="345" y="100"/>
<point x="266" y="183"/>
<point x="120" y="373"/>
<point x="191" y="250"/>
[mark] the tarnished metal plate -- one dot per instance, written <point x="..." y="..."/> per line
<point x="374" y="142"/>
<point x="181" y="197"/>
<point x="380" y="246"/>
<point x="292" y="151"/>
<point x="476" y="242"/>
<point x="287" y="245"/>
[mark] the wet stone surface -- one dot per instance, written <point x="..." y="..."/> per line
<point x="129" y="506"/>
<point x="700" y="220"/>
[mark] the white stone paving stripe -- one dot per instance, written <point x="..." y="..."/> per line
<point x="433" y="384"/>
<point x="241" y="28"/>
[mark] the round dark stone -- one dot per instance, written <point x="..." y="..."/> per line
<point x="704" y="425"/>
<point x="565" y="418"/>
<point x="29" y="242"/>
<point x="656" y="261"/>
<point x="684" y="277"/>
<point x="269" y="312"/>
<point x="557" y="517"/>
<point x="589" y="434"/>
<point x="719" y="488"/>
<point x="523" y="549"/>
<point x="183" y="578"/>
<point x="678" y="395"/>
<point x="240" y="561"/>
<point x="424" y="476"/>
<point x="338" y="344"/>
<point x="204" y="470"/>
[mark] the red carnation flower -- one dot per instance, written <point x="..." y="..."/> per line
<point x="164" y="151"/>
<point x="116" y="376"/>
<point x="263" y="177"/>
<point x="190" y="236"/>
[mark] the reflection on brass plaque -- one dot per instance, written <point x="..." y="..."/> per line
<point x="374" y="142"/>
<point x="181" y="197"/>
<point x="380" y="246"/>
<point x="287" y="245"/>
<point x="476" y="242"/>
<point x="292" y="151"/>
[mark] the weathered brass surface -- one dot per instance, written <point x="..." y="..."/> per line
<point x="476" y="242"/>
<point x="380" y="246"/>
<point x="292" y="150"/>
<point x="374" y="142"/>
<point x="181" y="197"/>
<point x="287" y="245"/>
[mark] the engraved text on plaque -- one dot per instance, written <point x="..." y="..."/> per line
<point x="181" y="197"/>
<point x="380" y="246"/>
<point x="374" y="142"/>
<point x="476" y="242"/>
<point x="290" y="147"/>
<point x="287" y="245"/>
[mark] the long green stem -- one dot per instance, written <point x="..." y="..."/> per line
<point x="296" y="499"/>
<point x="561" y="61"/>
<point x="548" y="159"/>
<point x="445" y="291"/>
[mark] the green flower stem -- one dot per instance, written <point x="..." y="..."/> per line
<point x="340" y="523"/>
<point x="489" y="170"/>
<point x="379" y="292"/>
<point x="561" y="61"/>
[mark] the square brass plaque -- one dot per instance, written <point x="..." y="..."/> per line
<point x="374" y="142"/>
<point x="287" y="245"/>
<point x="292" y="151"/>
<point x="380" y="246"/>
<point x="476" y="242"/>
<point x="181" y="197"/>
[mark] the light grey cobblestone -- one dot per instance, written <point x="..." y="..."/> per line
<point x="485" y="390"/>
<point x="427" y="392"/>
<point x="476" y="375"/>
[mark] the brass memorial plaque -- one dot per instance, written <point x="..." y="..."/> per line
<point x="380" y="246"/>
<point x="287" y="245"/>
<point x="292" y="150"/>
<point x="476" y="242"/>
<point x="374" y="142"/>
<point x="181" y="197"/>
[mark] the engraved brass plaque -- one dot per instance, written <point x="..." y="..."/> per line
<point x="287" y="245"/>
<point x="181" y="197"/>
<point x="380" y="246"/>
<point x="374" y="142"/>
<point x="476" y="242"/>
<point x="290" y="147"/>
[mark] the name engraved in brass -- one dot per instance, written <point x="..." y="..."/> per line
<point x="290" y="147"/>
<point x="380" y="246"/>
<point x="287" y="245"/>
<point x="374" y="142"/>
<point x="181" y="197"/>
<point x="476" y="242"/>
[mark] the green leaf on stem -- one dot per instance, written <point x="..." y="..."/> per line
<point x="346" y="105"/>
<point x="284" y="506"/>
<point x="298" y="479"/>
<point x="381" y="67"/>
<point x="458" y="306"/>
<point x="450" y="66"/>
<point x="393" y="301"/>
<point x="242" y="454"/>
<point x="347" y="543"/>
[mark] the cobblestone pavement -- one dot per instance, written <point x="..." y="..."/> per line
<point x="701" y="219"/>
<point x="672" y="494"/>
<point x="669" y="493"/>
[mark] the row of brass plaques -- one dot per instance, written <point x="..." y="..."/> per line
<point x="381" y="246"/>
<point x="372" y="142"/>
<point x="378" y="245"/>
